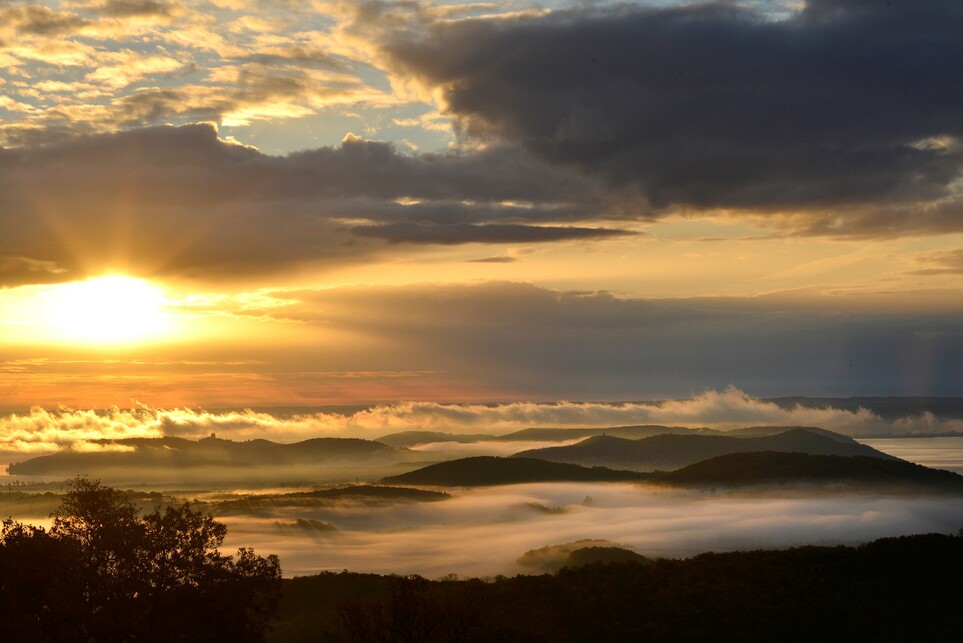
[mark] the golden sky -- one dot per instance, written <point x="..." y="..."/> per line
<point x="243" y="203"/>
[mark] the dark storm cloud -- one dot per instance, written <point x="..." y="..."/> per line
<point x="179" y="200"/>
<point x="849" y="104"/>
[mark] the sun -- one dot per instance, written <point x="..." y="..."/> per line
<point x="113" y="309"/>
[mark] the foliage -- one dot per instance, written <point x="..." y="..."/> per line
<point x="895" y="589"/>
<point x="103" y="572"/>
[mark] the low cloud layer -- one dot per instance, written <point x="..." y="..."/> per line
<point x="847" y="110"/>
<point x="43" y="431"/>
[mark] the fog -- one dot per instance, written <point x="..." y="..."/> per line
<point x="483" y="532"/>
<point x="939" y="453"/>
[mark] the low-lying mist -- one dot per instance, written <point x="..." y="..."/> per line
<point x="483" y="532"/>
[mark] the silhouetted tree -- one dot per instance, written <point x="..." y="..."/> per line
<point x="103" y="572"/>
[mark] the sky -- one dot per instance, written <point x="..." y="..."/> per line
<point x="243" y="203"/>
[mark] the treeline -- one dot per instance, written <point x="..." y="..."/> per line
<point x="105" y="572"/>
<point x="897" y="589"/>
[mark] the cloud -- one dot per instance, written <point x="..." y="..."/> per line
<point x="42" y="430"/>
<point x="943" y="262"/>
<point x="517" y="340"/>
<point x="849" y="106"/>
<point x="730" y="408"/>
<point x="495" y="259"/>
<point x="178" y="200"/>
<point x="129" y="8"/>
<point x="456" y="233"/>
<point x="130" y="63"/>
<point x="25" y="270"/>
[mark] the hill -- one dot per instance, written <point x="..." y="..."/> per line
<point x="361" y="494"/>
<point x="675" y="451"/>
<point x="406" y="439"/>
<point x="771" y="468"/>
<point x="169" y="452"/>
<point x="487" y="470"/>
<point x="627" y="432"/>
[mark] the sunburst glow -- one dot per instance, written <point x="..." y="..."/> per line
<point x="107" y="310"/>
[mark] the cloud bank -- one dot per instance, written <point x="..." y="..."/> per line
<point x="179" y="201"/>
<point x="847" y="110"/>
<point x="839" y="119"/>
<point x="43" y="431"/>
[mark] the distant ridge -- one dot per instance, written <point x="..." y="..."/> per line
<point x="405" y="439"/>
<point x="672" y="451"/>
<point x="488" y="470"/>
<point x="768" y="467"/>
<point x="634" y="432"/>
<point x="278" y="503"/>
<point x="207" y="452"/>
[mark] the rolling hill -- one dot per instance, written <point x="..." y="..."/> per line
<point x="170" y="452"/>
<point x="674" y="451"/>
<point x="405" y="439"/>
<point x="772" y="468"/>
<point x="487" y="470"/>
<point x="627" y="432"/>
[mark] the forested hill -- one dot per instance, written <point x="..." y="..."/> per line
<point x="675" y="451"/>
<point x="487" y="470"/>
<point x="767" y="468"/>
<point x="897" y="589"/>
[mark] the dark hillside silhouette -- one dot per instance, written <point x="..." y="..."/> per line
<point x="489" y="470"/>
<point x="894" y="589"/>
<point x="675" y="451"/>
<point x="768" y="468"/>
<point x="103" y="572"/>
<point x="207" y="452"/>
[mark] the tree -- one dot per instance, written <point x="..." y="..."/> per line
<point x="103" y="572"/>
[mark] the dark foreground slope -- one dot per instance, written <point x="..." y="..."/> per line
<point x="487" y="470"/>
<point x="771" y="468"/>
<point x="900" y="589"/>
<point x="675" y="451"/>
